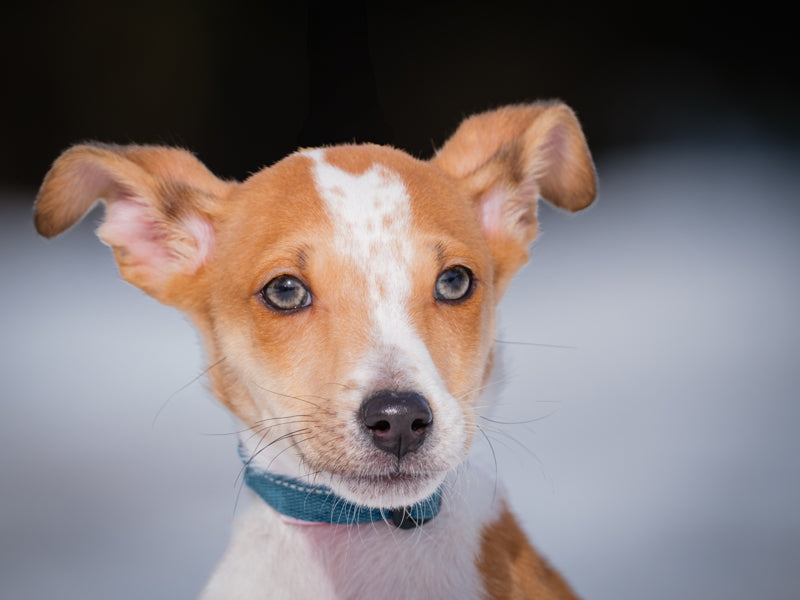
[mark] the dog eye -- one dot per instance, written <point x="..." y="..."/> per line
<point x="286" y="293"/>
<point x="453" y="284"/>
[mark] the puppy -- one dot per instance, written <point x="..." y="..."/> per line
<point x="346" y="298"/>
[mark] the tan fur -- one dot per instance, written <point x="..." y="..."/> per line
<point x="522" y="152"/>
<point x="208" y="246"/>
<point x="513" y="570"/>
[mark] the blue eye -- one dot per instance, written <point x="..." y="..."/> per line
<point x="453" y="284"/>
<point x="285" y="293"/>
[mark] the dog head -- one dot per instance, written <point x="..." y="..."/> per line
<point x="345" y="295"/>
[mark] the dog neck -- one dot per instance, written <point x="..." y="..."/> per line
<point x="304" y="503"/>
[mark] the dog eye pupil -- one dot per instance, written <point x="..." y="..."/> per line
<point x="454" y="283"/>
<point x="286" y="293"/>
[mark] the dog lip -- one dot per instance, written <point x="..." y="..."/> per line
<point x="396" y="477"/>
<point x="388" y="489"/>
<point x="391" y="479"/>
<point x="386" y="477"/>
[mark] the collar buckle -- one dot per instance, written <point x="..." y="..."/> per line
<point x="402" y="519"/>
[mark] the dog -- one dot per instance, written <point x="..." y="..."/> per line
<point x="346" y="298"/>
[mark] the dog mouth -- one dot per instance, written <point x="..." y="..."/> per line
<point x="374" y="479"/>
<point x="389" y="480"/>
<point x="387" y="490"/>
<point x="393" y="478"/>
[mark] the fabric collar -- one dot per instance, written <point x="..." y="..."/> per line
<point x="318" y="504"/>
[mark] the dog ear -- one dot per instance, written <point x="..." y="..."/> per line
<point x="160" y="206"/>
<point x="510" y="157"/>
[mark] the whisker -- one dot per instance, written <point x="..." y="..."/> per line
<point x="276" y="440"/>
<point x="183" y="387"/>
<point x="263" y="432"/>
<point x="261" y="421"/>
<point x="310" y="473"/>
<point x="343" y="385"/>
<point x="525" y="422"/>
<point x="484" y="387"/>
<point x="494" y="459"/>
<point x="288" y="396"/>
<point x="280" y="438"/>
<point x="511" y="438"/>
<point x="259" y="450"/>
<point x="515" y="343"/>
<point x="290" y="446"/>
<point x="260" y="427"/>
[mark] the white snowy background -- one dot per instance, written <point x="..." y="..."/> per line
<point x="659" y="454"/>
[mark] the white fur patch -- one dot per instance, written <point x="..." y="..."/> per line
<point x="371" y="215"/>
<point x="373" y="560"/>
<point x="372" y="220"/>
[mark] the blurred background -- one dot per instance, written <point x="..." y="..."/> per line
<point x="649" y="439"/>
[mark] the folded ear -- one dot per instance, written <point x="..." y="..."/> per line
<point x="160" y="207"/>
<point x="510" y="157"/>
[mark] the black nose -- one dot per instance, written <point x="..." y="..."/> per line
<point x="398" y="421"/>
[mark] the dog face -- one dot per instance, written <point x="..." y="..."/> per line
<point x="346" y="295"/>
<point x="336" y="313"/>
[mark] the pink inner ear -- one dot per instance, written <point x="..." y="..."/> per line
<point x="129" y="229"/>
<point x="510" y="213"/>
<point x="145" y="242"/>
<point x="492" y="211"/>
<point x="202" y="235"/>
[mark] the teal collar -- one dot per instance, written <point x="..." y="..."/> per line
<point x="318" y="504"/>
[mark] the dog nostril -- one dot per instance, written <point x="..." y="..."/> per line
<point x="398" y="421"/>
<point x="418" y="424"/>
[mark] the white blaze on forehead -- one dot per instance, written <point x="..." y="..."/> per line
<point x="371" y="215"/>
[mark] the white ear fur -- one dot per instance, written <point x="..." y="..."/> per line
<point x="159" y="207"/>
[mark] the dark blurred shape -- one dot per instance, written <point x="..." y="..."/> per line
<point x="243" y="83"/>
<point x="344" y="104"/>
<point x="226" y="80"/>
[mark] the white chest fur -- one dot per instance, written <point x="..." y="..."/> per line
<point x="270" y="558"/>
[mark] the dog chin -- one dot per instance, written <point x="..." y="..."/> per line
<point x="387" y="491"/>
